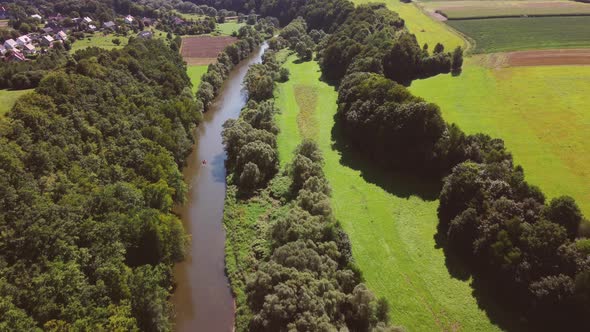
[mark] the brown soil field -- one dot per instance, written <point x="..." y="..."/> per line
<point x="549" y="57"/>
<point x="560" y="57"/>
<point x="202" y="50"/>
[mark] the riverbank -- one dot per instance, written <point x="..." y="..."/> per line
<point x="202" y="298"/>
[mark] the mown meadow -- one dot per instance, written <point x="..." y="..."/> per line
<point x="195" y="72"/>
<point x="545" y="124"/>
<point x="390" y="218"/>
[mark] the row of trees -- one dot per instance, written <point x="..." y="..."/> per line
<point x="499" y="225"/>
<point x="89" y="171"/>
<point x="306" y="280"/>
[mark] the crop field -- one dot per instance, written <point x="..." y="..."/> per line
<point x="508" y="34"/>
<point x="203" y="50"/>
<point x="99" y="40"/>
<point x="390" y="224"/>
<point x="426" y="29"/>
<point x="8" y="98"/>
<point x="492" y="8"/>
<point x="541" y="112"/>
<point x="195" y="73"/>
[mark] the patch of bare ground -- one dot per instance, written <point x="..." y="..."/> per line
<point x="203" y="50"/>
<point x="560" y="57"/>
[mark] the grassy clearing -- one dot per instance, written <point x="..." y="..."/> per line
<point x="509" y="34"/>
<point x="426" y="29"/>
<point x="195" y="73"/>
<point x="491" y="8"/>
<point x="392" y="232"/>
<point x="545" y="124"/>
<point x="99" y="40"/>
<point x="8" y="98"/>
<point x="229" y="27"/>
<point x="307" y="122"/>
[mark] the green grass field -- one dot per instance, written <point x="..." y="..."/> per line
<point x="540" y="112"/>
<point x="99" y="40"/>
<point x="426" y="29"/>
<point x="509" y="34"/>
<point x="391" y="234"/>
<point x="483" y="8"/>
<point x="229" y="27"/>
<point x="195" y="73"/>
<point x="8" y="98"/>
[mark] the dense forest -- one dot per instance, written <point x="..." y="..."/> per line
<point x="304" y="279"/>
<point x="90" y="172"/>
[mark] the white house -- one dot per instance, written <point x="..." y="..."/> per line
<point x="87" y="19"/>
<point x="128" y="19"/>
<point x="47" y="40"/>
<point x="91" y="27"/>
<point x="61" y="36"/>
<point x="3" y="50"/>
<point x="29" y="49"/>
<point x="23" y="40"/>
<point x="37" y="16"/>
<point x="10" y="44"/>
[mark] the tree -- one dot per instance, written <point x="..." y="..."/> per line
<point x="565" y="212"/>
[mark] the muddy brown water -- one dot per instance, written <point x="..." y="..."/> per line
<point x="202" y="299"/>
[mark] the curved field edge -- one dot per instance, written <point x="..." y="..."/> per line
<point x="392" y="236"/>
<point x="427" y="30"/>
<point x="545" y="125"/>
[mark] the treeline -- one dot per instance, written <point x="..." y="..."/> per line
<point x="249" y="39"/>
<point x="89" y="172"/>
<point x="304" y="278"/>
<point x="27" y="75"/>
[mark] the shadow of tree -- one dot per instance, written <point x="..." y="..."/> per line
<point x="401" y="183"/>
<point x="500" y="305"/>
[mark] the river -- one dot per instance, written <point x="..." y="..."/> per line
<point x="202" y="299"/>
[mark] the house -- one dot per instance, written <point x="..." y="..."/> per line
<point x="145" y="34"/>
<point x="10" y="44"/>
<point x="109" y="25"/>
<point x="91" y="27"/>
<point x="37" y="16"/>
<point x="23" y="40"/>
<point x="29" y="49"/>
<point x="47" y="30"/>
<point x="16" y="56"/>
<point x="87" y="19"/>
<point x="128" y="19"/>
<point x="46" y="40"/>
<point x="61" y="36"/>
<point x="147" y="21"/>
<point x="178" y="21"/>
<point x="3" y="50"/>
<point x="3" y="13"/>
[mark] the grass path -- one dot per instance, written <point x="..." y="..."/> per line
<point x="540" y="112"/>
<point x="195" y="72"/>
<point x="426" y="29"/>
<point x="392" y="235"/>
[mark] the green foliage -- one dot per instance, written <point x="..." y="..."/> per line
<point x="89" y="173"/>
